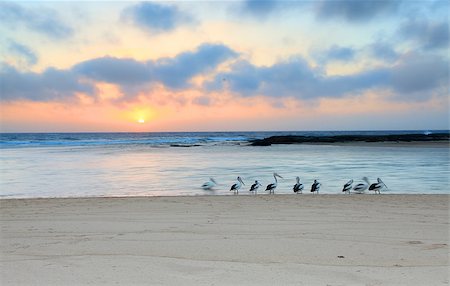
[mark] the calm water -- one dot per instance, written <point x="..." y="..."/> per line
<point x="130" y="164"/>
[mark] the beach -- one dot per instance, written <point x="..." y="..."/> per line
<point x="226" y="240"/>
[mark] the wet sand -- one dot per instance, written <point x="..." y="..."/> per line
<point x="227" y="240"/>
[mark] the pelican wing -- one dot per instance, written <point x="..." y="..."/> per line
<point x="206" y="185"/>
<point x="254" y="187"/>
<point x="374" y="186"/>
<point x="348" y="184"/>
<point x="315" y="187"/>
<point x="270" y="186"/>
<point x="360" y="187"/>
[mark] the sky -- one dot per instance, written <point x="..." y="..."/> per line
<point x="108" y="66"/>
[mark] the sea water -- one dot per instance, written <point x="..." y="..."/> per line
<point x="173" y="164"/>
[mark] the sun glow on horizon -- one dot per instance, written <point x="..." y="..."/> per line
<point x="140" y="115"/>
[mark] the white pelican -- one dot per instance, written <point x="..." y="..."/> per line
<point x="376" y="187"/>
<point x="235" y="187"/>
<point x="209" y="185"/>
<point x="271" y="187"/>
<point x="315" y="187"/>
<point x="298" y="187"/>
<point x="254" y="187"/>
<point x="362" y="187"/>
<point x="348" y="187"/>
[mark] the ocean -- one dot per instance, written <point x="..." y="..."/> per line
<point x="35" y="165"/>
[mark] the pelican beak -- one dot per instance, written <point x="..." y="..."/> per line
<point x="240" y="180"/>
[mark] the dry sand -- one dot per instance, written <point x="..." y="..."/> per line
<point x="227" y="240"/>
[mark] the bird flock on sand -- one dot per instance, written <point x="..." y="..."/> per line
<point x="298" y="187"/>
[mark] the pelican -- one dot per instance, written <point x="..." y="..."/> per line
<point x="376" y="187"/>
<point x="298" y="187"/>
<point x="235" y="187"/>
<point x="209" y="185"/>
<point x="254" y="187"/>
<point x="362" y="187"/>
<point x="271" y="187"/>
<point x="348" y="187"/>
<point x="315" y="187"/>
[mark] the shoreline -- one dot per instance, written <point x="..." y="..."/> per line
<point x="307" y="194"/>
<point x="228" y="195"/>
<point x="226" y="240"/>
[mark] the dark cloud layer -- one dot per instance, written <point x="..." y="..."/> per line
<point x="295" y="78"/>
<point x="417" y="74"/>
<point x="155" y="17"/>
<point x="173" y="72"/>
<point x="50" y="85"/>
<point x="414" y="76"/>
<point x="43" y="21"/>
<point x="129" y="74"/>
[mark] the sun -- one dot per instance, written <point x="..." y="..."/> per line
<point x="141" y="120"/>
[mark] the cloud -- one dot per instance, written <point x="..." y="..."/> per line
<point x="259" y="8"/>
<point x="416" y="74"/>
<point x="173" y="72"/>
<point x="50" y="85"/>
<point x="292" y="78"/>
<point x="354" y="10"/>
<point x="155" y="17"/>
<point x="131" y="75"/>
<point x="114" y="70"/>
<point x="428" y="35"/>
<point x="23" y="52"/>
<point x="335" y="53"/>
<point x="263" y="9"/>
<point x="383" y="51"/>
<point x="43" y="21"/>
<point x="202" y="100"/>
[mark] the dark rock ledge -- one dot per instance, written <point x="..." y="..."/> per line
<point x="291" y="139"/>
